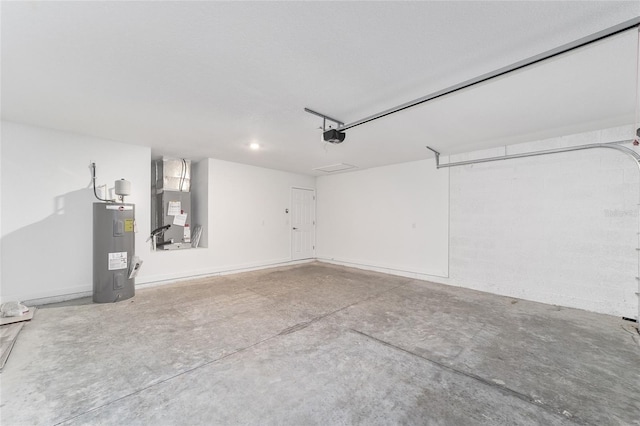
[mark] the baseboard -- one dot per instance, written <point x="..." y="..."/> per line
<point x="219" y="272"/>
<point x="62" y="295"/>
<point x="436" y="276"/>
<point x="80" y="292"/>
<point x="57" y="299"/>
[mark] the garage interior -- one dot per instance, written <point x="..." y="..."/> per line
<point x="406" y="212"/>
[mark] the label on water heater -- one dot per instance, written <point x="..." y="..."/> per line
<point x="117" y="261"/>
<point x="128" y="225"/>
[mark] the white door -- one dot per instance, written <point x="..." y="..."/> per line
<point x="303" y="223"/>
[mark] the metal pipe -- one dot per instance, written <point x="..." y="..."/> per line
<point x="610" y="145"/>
<point x="608" y="32"/>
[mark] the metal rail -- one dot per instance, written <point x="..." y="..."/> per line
<point x="600" y="35"/>
<point x="610" y="145"/>
<point x="326" y="117"/>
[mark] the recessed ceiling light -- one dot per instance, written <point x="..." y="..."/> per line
<point x="254" y="145"/>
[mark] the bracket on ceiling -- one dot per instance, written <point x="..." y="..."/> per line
<point x="437" y="156"/>
<point x="324" y="118"/>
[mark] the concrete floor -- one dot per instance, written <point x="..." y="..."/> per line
<point x="321" y="344"/>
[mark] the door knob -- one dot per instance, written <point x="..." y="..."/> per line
<point x="295" y="229"/>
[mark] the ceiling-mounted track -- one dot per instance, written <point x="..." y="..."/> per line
<point x="609" y="145"/>
<point x="600" y="35"/>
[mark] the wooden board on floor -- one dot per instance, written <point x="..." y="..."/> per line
<point x="26" y="317"/>
<point x="8" y="336"/>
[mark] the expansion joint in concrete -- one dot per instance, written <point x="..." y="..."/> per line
<point x="501" y="388"/>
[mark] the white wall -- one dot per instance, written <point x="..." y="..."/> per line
<point x="250" y="222"/>
<point x="46" y="213"/>
<point x="200" y="199"/>
<point x="558" y="229"/>
<point x="393" y="217"/>
<point x="247" y="224"/>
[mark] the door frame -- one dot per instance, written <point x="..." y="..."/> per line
<point x="304" y="188"/>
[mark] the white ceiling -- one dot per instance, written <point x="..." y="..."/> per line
<point x="204" y="79"/>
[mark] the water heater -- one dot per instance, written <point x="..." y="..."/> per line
<point x="113" y="252"/>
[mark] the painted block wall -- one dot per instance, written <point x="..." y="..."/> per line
<point x="558" y="229"/>
<point x="46" y="213"/>
<point x="393" y="217"/>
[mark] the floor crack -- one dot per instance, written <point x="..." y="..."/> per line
<point x="503" y="389"/>
<point x="289" y="330"/>
<point x="305" y="324"/>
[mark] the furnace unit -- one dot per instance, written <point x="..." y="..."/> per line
<point x="171" y="203"/>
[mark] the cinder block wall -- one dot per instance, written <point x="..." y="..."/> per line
<point x="560" y="229"/>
